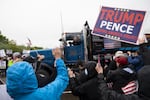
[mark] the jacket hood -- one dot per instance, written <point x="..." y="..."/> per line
<point x="21" y="79"/>
<point x="90" y="66"/>
<point x="144" y="81"/>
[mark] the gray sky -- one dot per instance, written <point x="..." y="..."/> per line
<point x="40" y="20"/>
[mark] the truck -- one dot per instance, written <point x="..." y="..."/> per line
<point x="112" y="32"/>
<point x="76" y="46"/>
<point x="84" y="46"/>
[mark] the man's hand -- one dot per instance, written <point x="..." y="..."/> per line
<point x="99" y="68"/>
<point x="56" y="53"/>
<point x="70" y="73"/>
<point x="40" y="57"/>
<point x="129" y="53"/>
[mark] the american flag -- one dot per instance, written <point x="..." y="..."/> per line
<point x="29" y="42"/>
<point x="130" y="88"/>
<point x="111" y="44"/>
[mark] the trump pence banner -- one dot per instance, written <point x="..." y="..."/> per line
<point x="119" y="24"/>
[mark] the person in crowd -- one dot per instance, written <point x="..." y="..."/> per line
<point x="145" y="52"/>
<point x="122" y="75"/>
<point x="35" y="61"/>
<point x="10" y="61"/>
<point x="109" y="94"/>
<point x="85" y="85"/>
<point x="44" y="73"/>
<point x="136" y="60"/>
<point x="3" y="65"/>
<point x="79" y="67"/>
<point x="22" y="83"/>
<point x="112" y="65"/>
<point x="76" y="40"/>
<point x="16" y="57"/>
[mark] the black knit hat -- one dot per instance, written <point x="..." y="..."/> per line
<point x="29" y="59"/>
<point x="88" y="73"/>
<point x="90" y="66"/>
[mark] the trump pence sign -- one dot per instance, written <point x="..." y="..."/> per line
<point x="119" y="24"/>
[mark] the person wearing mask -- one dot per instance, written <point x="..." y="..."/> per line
<point x="22" y="83"/>
<point x="109" y="94"/>
<point x="85" y="84"/>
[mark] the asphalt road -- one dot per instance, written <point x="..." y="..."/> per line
<point x="68" y="96"/>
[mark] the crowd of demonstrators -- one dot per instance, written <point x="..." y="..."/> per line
<point x="10" y="60"/>
<point x="90" y="81"/>
<point x="122" y="72"/>
<point x="27" y="86"/>
<point x="85" y="84"/>
<point x="121" y="76"/>
<point x="137" y="68"/>
<point x="108" y="94"/>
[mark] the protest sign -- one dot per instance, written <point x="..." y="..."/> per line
<point x="119" y="24"/>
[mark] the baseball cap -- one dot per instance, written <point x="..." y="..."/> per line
<point x="122" y="60"/>
<point x="118" y="54"/>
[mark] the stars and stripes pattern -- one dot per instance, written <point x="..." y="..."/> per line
<point x="130" y="88"/>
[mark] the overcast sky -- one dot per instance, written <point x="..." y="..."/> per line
<point x="40" y="20"/>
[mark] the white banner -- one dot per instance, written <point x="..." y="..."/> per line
<point x="2" y="53"/>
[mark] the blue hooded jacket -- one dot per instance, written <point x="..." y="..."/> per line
<point x="22" y="83"/>
<point x="137" y="61"/>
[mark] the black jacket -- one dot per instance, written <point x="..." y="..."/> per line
<point x="108" y="94"/>
<point x="87" y="90"/>
<point x="121" y="77"/>
<point x="85" y="85"/>
<point x="145" y="52"/>
<point x="112" y="66"/>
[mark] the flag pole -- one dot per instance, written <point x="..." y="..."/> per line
<point x="29" y="44"/>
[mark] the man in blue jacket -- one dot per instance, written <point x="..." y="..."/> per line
<point x="22" y="83"/>
<point x="136" y="60"/>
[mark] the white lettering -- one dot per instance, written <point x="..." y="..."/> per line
<point x="124" y="28"/>
<point x="109" y="25"/>
<point x="116" y="26"/>
<point x="130" y="29"/>
<point x="103" y="23"/>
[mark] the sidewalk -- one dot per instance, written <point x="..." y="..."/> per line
<point x="2" y="77"/>
<point x="2" y="80"/>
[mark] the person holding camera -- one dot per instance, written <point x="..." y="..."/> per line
<point x="85" y="84"/>
<point x="22" y="83"/>
<point x="109" y="94"/>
